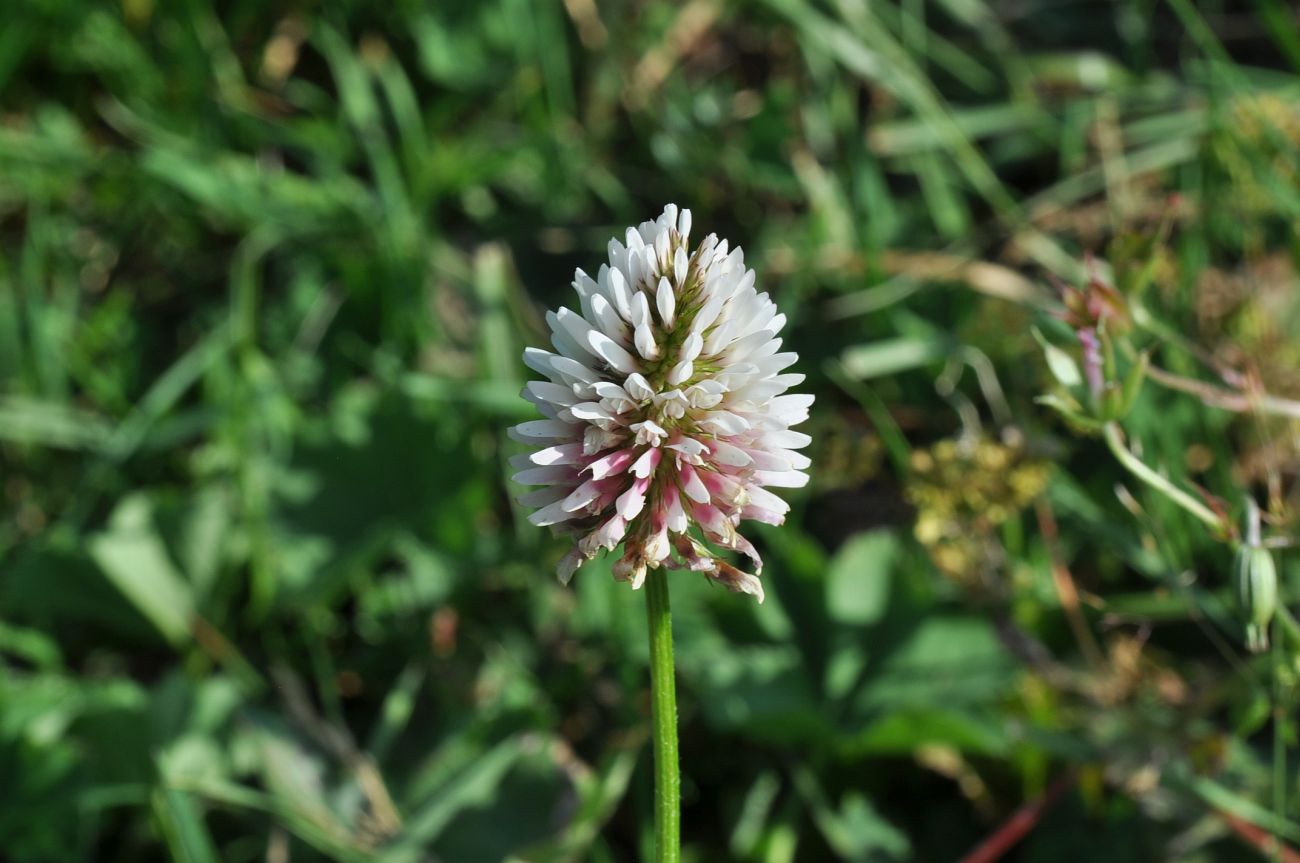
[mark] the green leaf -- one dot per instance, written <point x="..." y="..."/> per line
<point x="133" y="557"/>
<point x="858" y="580"/>
<point x="182" y="827"/>
<point x="1061" y="364"/>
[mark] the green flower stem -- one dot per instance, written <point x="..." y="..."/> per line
<point x="1140" y="469"/>
<point x="663" y="695"/>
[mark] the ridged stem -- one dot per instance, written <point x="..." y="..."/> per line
<point x="663" y="695"/>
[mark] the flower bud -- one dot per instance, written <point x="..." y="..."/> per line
<point x="1257" y="593"/>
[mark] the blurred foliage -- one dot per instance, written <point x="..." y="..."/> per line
<point x="265" y="275"/>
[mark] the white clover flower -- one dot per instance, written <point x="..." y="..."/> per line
<point x="664" y="410"/>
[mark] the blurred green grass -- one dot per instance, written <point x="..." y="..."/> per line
<point x="265" y="275"/>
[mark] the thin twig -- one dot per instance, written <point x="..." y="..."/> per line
<point x="1065" y="587"/>
<point x="1160" y="483"/>
<point x="1019" y="824"/>
<point x="1230" y="400"/>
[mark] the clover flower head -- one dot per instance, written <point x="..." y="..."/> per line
<point x="666" y="422"/>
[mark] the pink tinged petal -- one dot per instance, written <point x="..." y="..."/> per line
<point x="638" y="387"/>
<point x="607" y="536"/>
<point x="631" y="502"/>
<point x="614" y="463"/>
<point x="674" y="513"/>
<point x="550" y="514"/>
<point x="745" y="547"/>
<point x="764" y="499"/>
<point x="647" y="463"/>
<point x="692" y="484"/>
<point x="736" y="580"/>
<point x="656" y="547"/>
<point x="762" y="514"/>
<point x="666" y="303"/>
<point x="568" y="565"/>
<point x="714" y="524"/>
<point x="535" y="431"/>
<point x="608" y="350"/>
<point x="781" y="479"/>
<point x="630" y="568"/>
<point x="694" y="556"/>
<point x="725" y="453"/>
<point x="724" y="423"/>
<point x="721" y="487"/>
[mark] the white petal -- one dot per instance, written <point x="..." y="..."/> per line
<point x="549" y="392"/>
<point x="645" y="341"/>
<point x="617" y="288"/>
<point x="791" y="409"/>
<point x="638" y="387"/>
<point x="581" y="496"/>
<point x="684" y="224"/>
<point x="609" y="351"/>
<point x="666" y="303"/>
<point x="604" y="313"/>
<point x="786" y="439"/>
<point x="781" y="479"/>
<point x="691" y="347"/>
<point x="680" y="265"/>
<point x="552" y="475"/>
<point x="567" y="453"/>
<point x="725" y="423"/>
<point x="542" y="430"/>
<point x="543" y="496"/>
<point x="640" y="309"/>
<point x="551" y="514"/>
<point x="725" y="453"/>
<point x="681" y="373"/>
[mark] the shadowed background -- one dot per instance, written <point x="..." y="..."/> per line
<point x="266" y="271"/>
